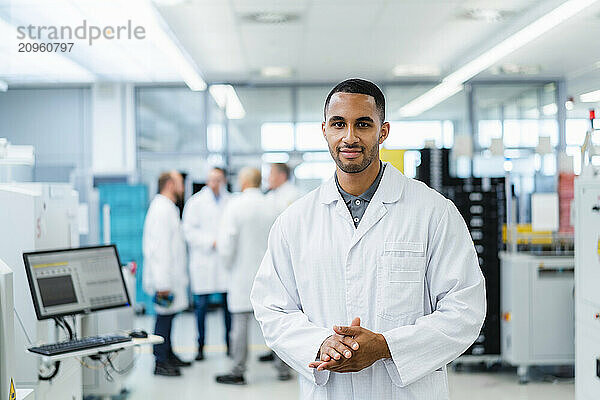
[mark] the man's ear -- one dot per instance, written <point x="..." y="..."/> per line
<point x="384" y="131"/>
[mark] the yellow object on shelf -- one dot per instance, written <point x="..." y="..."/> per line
<point x="526" y="234"/>
<point x="394" y="157"/>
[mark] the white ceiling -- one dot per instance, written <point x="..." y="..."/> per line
<point x="329" y="41"/>
<point x="335" y="39"/>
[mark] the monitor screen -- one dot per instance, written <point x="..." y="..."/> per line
<point x="75" y="281"/>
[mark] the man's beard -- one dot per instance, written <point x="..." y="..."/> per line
<point x="355" y="168"/>
<point x="179" y="198"/>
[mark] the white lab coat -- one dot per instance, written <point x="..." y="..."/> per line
<point x="284" y="196"/>
<point x="201" y="220"/>
<point x="242" y="243"/>
<point x="165" y="254"/>
<point x="409" y="271"/>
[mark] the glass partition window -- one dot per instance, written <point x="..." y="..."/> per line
<point x="489" y="129"/>
<point x="268" y="124"/>
<point x="520" y="114"/>
<point x="171" y="120"/>
<point x="310" y="103"/>
<point x="415" y="134"/>
<point x="277" y="136"/>
<point x="576" y="130"/>
<point x="215" y="136"/>
<point x="525" y="132"/>
<point x="309" y="136"/>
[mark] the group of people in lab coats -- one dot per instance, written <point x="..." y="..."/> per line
<point x="368" y="286"/>
<point x="226" y="238"/>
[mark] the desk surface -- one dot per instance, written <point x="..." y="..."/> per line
<point x="150" y="340"/>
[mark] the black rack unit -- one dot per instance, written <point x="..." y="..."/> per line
<point x="481" y="203"/>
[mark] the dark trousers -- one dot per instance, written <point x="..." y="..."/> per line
<point x="163" y="327"/>
<point x="200" y="307"/>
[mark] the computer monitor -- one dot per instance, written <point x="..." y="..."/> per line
<point x="75" y="281"/>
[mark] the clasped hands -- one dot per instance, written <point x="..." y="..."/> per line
<point x="351" y="349"/>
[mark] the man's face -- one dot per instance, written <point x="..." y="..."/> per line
<point x="215" y="180"/>
<point x="353" y="131"/>
<point x="276" y="178"/>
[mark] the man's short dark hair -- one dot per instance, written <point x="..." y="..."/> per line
<point x="163" y="179"/>
<point x="282" y="167"/>
<point x="359" y="86"/>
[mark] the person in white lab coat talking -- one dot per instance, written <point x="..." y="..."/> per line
<point x="241" y="243"/>
<point x="370" y="284"/>
<point x="201" y="219"/>
<point x="165" y="270"/>
<point x="281" y="191"/>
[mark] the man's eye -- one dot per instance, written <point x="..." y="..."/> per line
<point x="363" y="125"/>
<point x="338" y="124"/>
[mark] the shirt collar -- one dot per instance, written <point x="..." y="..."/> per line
<point x="368" y="194"/>
<point x="389" y="190"/>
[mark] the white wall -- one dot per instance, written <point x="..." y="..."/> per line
<point x="91" y="130"/>
<point x="55" y="121"/>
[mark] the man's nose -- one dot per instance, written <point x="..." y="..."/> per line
<point x="350" y="136"/>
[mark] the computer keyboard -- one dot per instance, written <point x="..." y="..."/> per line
<point x="78" y="344"/>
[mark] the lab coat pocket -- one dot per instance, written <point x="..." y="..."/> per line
<point x="399" y="286"/>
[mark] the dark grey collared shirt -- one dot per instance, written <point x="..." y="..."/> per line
<point x="357" y="205"/>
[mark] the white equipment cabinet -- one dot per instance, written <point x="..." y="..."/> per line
<point x="7" y="338"/>
<point x="37" y="216"/>
<point x="537" y="310"/>
<point x="587" y="284"/>
<point x="7" y="334"/>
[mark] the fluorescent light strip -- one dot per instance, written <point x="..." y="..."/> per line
<point x="590" y="97"/>
<point x="159" y="32"/>
<point x="227" y="99"/>
<point x="487" y="59"/>
<point x="430" y="99"/>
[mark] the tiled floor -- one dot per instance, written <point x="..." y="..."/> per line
<point x="197" y="381"/>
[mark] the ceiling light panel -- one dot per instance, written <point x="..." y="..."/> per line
<point x="416" y="70"/>
<point x="150" y="55"/>
<point x="590" y="97"/>
<point x="515" y="41"/>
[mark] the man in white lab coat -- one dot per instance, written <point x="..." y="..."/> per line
<point x="242" y="242"/>
<point x="370" y="284"/>
<point x="201" y="220"/>
<point x="165" y="274"/>
<point x="281" y="191"/>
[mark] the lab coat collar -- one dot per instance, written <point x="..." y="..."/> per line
<point x="389" y="190"/>
<point x="164" y="199"/>
<point x="252" y="190"/>
<point x="223" y="195"/>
